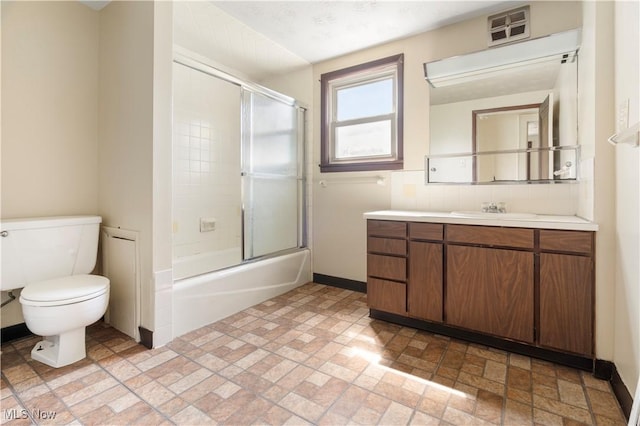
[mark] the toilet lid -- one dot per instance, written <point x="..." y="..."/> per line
<point x="63" y="291"/>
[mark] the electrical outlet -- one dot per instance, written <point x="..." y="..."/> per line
<point x="207" y="224"/>
<point x="622" y="118"/>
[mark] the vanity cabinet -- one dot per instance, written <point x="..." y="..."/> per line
<point x="387" y="266"/>
<point x="491" y="291"/>
<point x="531" y="286"/>
<point x="425" y="294"/>
<point x="490" y="280"/>
<point x="566" y="290"/>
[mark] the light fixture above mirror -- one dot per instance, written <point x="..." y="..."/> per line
<point x="489" y="63"/>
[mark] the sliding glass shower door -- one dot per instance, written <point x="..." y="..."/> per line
<point x="272" y="166"/>
<point x="238" y="171"/>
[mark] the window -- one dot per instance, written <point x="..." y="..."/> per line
<point x="362" y="117"/>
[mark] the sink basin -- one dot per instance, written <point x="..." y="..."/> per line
<point x="504" y="216"/>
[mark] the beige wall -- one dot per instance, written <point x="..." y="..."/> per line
<point x="596" y="114"/>
<point x="49" y="113"/>
<point x="49" y="109"/>
<point x="627" y="180"/>
<point x="126" y="130"/>
<point x="338" y="226"/>
<point x="87" y="117"/>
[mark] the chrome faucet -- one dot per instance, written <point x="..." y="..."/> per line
<point x="489" y="207"/>
<point x="492" y="207"/>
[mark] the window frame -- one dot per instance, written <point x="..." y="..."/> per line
<point x="356" y="75"/>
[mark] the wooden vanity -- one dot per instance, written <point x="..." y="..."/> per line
<point x="527" y="287"/>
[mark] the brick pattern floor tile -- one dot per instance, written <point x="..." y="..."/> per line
<point x="310" y="356"/>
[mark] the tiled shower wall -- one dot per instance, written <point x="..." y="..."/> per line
<point x="206" y="162"/>
<point x="409" y="192"/>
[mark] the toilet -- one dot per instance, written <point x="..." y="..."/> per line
<point x="50" y="259"/>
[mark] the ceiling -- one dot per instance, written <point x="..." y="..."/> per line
<point x="525" y="78"/>
<point x="268" y="38"/>
<point x="324" y="29"/>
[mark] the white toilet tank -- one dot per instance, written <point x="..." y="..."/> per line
<point x="38" y="249"/>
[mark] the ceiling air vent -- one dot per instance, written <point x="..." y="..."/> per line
<point x="509" y="26"/>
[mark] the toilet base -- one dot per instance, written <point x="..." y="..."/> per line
<point x="61" y="350"/>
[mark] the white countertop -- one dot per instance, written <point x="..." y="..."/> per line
<point x="573" y="223"/>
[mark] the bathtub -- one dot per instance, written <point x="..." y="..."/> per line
<point x="201" y="263"/>
<point x="203" y="299"/>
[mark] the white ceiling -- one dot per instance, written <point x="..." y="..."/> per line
<point x="265" y="38"/>
<point x="229" y="44"/>
<point x="323" y="29"/>
<point x="526" y="78"/>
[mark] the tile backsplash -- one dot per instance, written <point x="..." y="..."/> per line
<point x="409" y="192"/>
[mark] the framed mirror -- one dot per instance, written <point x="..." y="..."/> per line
<point x="508" y="102"/>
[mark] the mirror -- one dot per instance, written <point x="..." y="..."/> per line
<point x="535" y="165"/>
<point x="507" y="123"/>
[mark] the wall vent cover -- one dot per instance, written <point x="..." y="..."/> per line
<point x="509" y="26"/>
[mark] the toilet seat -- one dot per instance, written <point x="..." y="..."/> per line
<point x="64" y="291"/>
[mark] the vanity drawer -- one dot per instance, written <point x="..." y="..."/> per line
<point x="490" y="236"/>
<point x="387" y="246"/>
<point x="387" y="296"/>
<point x="387" y="228"/>
<point x="387" y="267"/>
<point x="426" y="231"/>
<point x="566" y="241"/>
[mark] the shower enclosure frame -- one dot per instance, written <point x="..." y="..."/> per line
<point x="182" y="57"/>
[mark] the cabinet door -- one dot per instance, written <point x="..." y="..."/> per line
<point x="388" y="296"/>
<point x="566" y="291"/>
<point x="491" y="291"/>
<point x="425" y="281"/>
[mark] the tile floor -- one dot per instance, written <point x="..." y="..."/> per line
<point x="310" y="356"/>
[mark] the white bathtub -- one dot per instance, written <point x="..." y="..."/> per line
<point x="204" y="299"/>
<point x="201" y="263"/>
